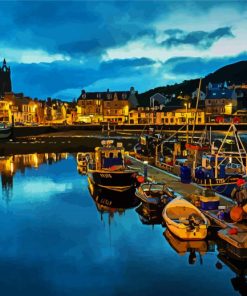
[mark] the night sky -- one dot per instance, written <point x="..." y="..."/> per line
<point x="57" y="48"/>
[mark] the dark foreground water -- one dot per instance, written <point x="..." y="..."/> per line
<point x="55" y="240"/>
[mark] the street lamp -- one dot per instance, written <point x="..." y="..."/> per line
<point x="187" y="104"/>
<point x="187" y="127"/>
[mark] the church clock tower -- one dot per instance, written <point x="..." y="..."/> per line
<point x="5" y="79"/>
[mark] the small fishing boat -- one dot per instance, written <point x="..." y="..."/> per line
<point x="184" y="220"/>
<point x="154" y="195"/>
<point x="5" y="131"/>
<point x="145" y="148"/>
<point x="107" y="168"/>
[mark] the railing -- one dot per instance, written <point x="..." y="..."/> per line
<point x="165" y="166"/>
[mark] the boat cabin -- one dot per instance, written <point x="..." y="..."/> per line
<point x="109" y="156"/>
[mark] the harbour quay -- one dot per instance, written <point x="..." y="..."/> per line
<point x="234" y="234"/>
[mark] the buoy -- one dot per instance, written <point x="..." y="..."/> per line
<point x="233" y="231"/>
<point x="245" y="208"/>
<point x="140" y="179"/>
<point x="128" y="161"/>
<point x="240" y="182"/>
<point x="236" y="214"/>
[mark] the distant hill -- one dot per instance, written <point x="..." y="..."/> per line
<point x="235" y="73"/>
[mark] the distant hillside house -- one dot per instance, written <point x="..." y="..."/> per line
<point x="159" y="100"/>
<point x="110" y="106"/>
<point x="220" y="100"/>
<point x="195" y="94"/>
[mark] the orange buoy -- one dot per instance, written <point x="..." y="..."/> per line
<point x="140" y="179"/>
<point x="236" y="214"/>
<point x="233" y="231"/>
<point x="245" y="208"/>
<point x="240" y="182"/>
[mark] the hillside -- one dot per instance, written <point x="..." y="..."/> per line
<point x="235" y="73"/>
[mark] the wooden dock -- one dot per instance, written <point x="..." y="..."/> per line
<point x="236" y="244"/>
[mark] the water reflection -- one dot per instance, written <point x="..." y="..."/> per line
<point x="65" y="238"/>
<point x="111" y="202"/>
<point x="10" y="165"/>
<point x="148" y="217"/>
<point x="239" y="282"/>
<point x="194" y="248"/>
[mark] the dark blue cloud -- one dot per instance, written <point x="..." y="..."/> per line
<point x="47" y="79"/>
<point x="200" y="39"/>
<point x="200" y="67"/>
<point x="83" y="31"/>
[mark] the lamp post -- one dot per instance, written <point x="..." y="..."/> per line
<point x="187" y="126"/>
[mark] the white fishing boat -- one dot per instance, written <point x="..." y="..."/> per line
<point x="184" y="220"/>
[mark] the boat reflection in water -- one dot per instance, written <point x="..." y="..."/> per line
<point x="82" y="162"/>
<point x="182" y="247"/>
<point x="108" y="201"/>
<point x="239" y="282"/>
<point x="149" y="217"/>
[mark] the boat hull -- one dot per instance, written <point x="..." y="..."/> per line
<point x="185" y="234"/>
<point x="108" y="200"/>
<point x="116" y="181"/>
<point x="220" y="185"/>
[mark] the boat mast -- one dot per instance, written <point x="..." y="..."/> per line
<point x="195" y="114"/>
<point x="193" y="130"/>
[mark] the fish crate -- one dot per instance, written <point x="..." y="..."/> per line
<point x="209" y="203"/>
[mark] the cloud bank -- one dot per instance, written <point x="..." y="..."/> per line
<point x="57" y="48"/>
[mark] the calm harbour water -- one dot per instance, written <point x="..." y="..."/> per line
<point x="55" y="241"/>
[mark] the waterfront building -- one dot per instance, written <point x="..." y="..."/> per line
<point x="109" y="106"/>
<point x="220" y="101"/>
<point x="90" y="107"/>
<point x="22" y="108"/>
<point x="169" y="115"/>
<point x="140" y="115"/>
<point x="55" y="111"/>
<point x="5" y="113"/>
<point x="116" y="107"/>
<point x="5" y="78"/>
<point x="71" y="113"/>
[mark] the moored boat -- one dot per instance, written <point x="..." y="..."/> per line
<point x="184" y="220"/>
<point x="107" y="168"/>
<point x="154" y="195"/>
<point x="145" y="148"/>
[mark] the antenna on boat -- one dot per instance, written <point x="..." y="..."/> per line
<point x="240" y="154"/>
